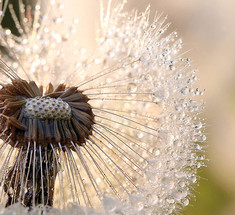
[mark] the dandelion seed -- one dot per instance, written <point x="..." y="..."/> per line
<point x="117" y="132"/>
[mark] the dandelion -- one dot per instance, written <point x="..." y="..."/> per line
<point x="117" y="132"/>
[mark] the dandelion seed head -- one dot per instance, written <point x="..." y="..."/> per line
<point x="47" y="108"/>
<point x="118" y="132"/>
<point x="60" y="116"/>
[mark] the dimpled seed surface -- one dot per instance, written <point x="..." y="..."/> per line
<point x="47" y="108"/>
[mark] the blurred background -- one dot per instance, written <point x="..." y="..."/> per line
<point x="208" y="31"/>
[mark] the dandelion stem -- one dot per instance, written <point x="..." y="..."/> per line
<point x="37" y="186"/>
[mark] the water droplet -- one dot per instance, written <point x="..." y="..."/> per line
<point x="201" y="157"/>
<point x="111" y="54"/>
<point x="203" y="138"/>
<point x="185" y="91"/>
<point x="170" y="200"/>
<point x="132" y="87"/>
<point x="8" y="32"/>
<point x="58" y="20"/>
<point x="182" y="184"/>
<point x="198" y="125"/>
<point x="197" y="147"/>
<point x="197" y="165"/>
<point x="185" y="202"/>
<point x="177" y="143"/>
<point x="172" y="67"/>
<point x="193" y="179"/>
<point x="156" y="151"/>
<point x="148" y="77"/>
<point x="140" y="135"/>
